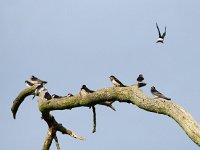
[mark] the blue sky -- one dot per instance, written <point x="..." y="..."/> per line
<point x="70" y="43"/>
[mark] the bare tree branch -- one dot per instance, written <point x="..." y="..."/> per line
<point x="56" y="141"/>
<point x="133" y="95"/>
<point x="20" y="98"/>
<point x="48" y="139"/>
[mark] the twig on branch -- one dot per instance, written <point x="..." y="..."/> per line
<point x="56" y="141"/>
<point x="54" y="126"/>
<point x="108" y="104"/>
<point x="94" y="119"/>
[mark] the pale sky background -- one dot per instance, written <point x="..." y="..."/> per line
<point x="75" y="42"/>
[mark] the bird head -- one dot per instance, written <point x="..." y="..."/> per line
<point x="112" y="77"/>
<point x="83" y="86"/>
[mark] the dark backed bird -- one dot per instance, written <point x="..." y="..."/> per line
<point x="35" y="80"/>
<point x="69" y="95"/>
<point x="28" y="83"/>
<point x="158" y="94"/>
<point x="161" y="37"/>
<point x="56" y="96"/>
<point x="116" y="82"/>
<point x="44" y="94"/>
<point x="140" y="78"/>
<point x="85" y="90"/>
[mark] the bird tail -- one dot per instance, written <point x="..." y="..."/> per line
<point x="167" y="98"/>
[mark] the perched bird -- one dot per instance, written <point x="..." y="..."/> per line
<point x="38" y="89"/>
<point x="140" y="78"/>
<point x="35" y="80"/>
<point x="140" y="81"/>
<point x="158" y="94"/>
<point x="84" y="90"/>
<point x="116" y="82"/>
<point x="161" y="37"/>
<point x="28" y="83"/>
<point x="56" y="96"/>
<point x="44" y="94"/>
<point x="69" y="95"/>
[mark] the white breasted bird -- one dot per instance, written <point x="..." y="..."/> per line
<point x="35" y="80"/>
<point x="158" y="94"/>
<point x="84" y="90"/>
<point x="44" y="94"/>
<point x="28" y="83"/>
<point x="69" y="95"/>
<point x="161" y="37"/>
<point x="56" y="96"/>
<point x="116" y="82"/>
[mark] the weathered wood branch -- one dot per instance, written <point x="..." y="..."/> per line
<point x="20" y="98"/>
<point x="132" y="95"/>
<point x="53" y="125"/>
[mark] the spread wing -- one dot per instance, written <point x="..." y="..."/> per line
<point x="164" y="33"/>
<point x="158" y="30"/>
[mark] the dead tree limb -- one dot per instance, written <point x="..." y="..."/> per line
<point x="135" y="96"/>
<point x="132" y="94"/>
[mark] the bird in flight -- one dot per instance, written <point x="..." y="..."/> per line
<point x="116" y="82"/>
<point x="161" y="37"/>
<point x="158" y="94"/>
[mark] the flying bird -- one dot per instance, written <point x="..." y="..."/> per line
<point x="116" y="82"/>
<point x="35" y="80"/>
<point x="84" y="90"/>
<point x="158" y="94"/>
<point x="161" y="37"/>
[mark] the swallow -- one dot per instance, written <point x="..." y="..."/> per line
<point x="35" y="80"/>
<point x="140" y="78"/>
<point x="161" y="37"/>
<point x="69" y="95"/>
<point x="84" y="90"/>
<point x="37" y="90"/>
<point x="56" y="96"/>
<point x="158" y="94"/>
<point x="44" y="94"/>
<point x="116" y="82"/>
<point x="28" y="83"/>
